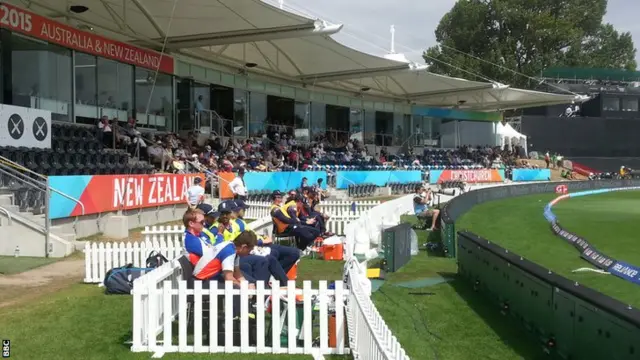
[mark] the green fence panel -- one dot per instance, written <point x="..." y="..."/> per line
<point x="537" y="297"/>
<point x="564" y="310"/>
<point x="448" y="236"/>
<point x="572" y="321"/>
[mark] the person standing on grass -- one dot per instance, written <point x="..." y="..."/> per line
<point x="238" y="187"/>
<point x="195" y="194"/>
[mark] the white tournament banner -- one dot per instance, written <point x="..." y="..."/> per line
<point x="20" y="126"/>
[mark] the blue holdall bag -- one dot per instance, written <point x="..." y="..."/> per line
<point x="120" y="280"/>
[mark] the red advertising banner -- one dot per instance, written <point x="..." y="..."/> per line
<point x="29" y="23"/>
<point x="106" y="193"/>
<point x="582" y="170"/>
<point x="471" y="176"/>
<point x="562" y="189"/>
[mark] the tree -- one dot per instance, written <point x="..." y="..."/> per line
<point x="493" y="37"/>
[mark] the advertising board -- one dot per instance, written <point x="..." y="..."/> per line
<point x="467" y="176"/>
<point x="40" y="27"/>
<point x="106" y="193"/>
<point x="531" y="175"/>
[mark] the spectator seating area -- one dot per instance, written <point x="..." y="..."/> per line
<point x="75" y="150"/>
<point x="399" y="188"/>
<point x="261" y="195"/>
<point x="29" y="200"/>
<point x="452" y="184"/>
<point x="361" y="190"/>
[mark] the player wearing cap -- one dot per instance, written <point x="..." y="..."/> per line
<point x="254" y="268"/>
<point x="210" y="218"/>
<point x="195" y="193"/>
<point x="224" y="226"/>
<point x="286" y="220"/>
<point x="311" y="202"/>
<point x="286" y="256"/>
<point x="216" y="261"/>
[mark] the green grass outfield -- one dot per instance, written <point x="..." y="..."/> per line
<point x="81" y="322"/>
<point x="447" y="321"/>
<point x="14" y="265"/>
<point x="611" y="222"/>
<point x="452" y="323"/>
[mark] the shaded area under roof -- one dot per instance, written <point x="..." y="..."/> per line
<point x="285" y="46"/>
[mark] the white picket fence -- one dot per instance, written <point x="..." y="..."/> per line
<point x="167" y="240"/>
<point x="160" y="298"/>
<point x="279" y="327"/>
<point x="369" y="336"/>
<point x="101" y="257"/>
<point x="261" y="209"/>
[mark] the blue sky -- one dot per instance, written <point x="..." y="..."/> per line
<point x="367" y="21"/>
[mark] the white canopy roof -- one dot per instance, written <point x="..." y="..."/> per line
<point x="285" y="46"/>
<point x="507" y="131"/>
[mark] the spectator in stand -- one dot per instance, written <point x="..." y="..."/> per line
<point x="547" y="159"/>
<point x="238" y="187"/>
<point x="106" y="131"/>
<point x="167" y="157"/>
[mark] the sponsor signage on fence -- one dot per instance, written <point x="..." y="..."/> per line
<point x="587" y="251"/>
<point x="32" y="24"/>
<point x="597" y="258"/>
<point x="105" y="193"/>
<point x="531" y="175"/>
<point x="20" y="126"/>
<point x="625" y="271"/>
<point x="562" y="189"/>
<point x="379" y="178"/>
<point x="467" y="176"/>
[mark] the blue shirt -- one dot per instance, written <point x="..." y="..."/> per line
<point x="209" y="259"/>
<point x="418" y="207"/>
<point x="193" y="244"/>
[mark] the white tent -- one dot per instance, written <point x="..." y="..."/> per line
<point x="507" y="135"/>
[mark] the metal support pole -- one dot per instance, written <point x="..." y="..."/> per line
<point x="47" y="219"/>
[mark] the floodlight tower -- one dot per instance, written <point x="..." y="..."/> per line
<point x="392" y="55"/>
<point x="393" y="39"/>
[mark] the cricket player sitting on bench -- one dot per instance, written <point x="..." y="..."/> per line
<point x="287" y="256"/>
<point x="254" y="267"/>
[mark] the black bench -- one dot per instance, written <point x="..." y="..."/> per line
<point x="285" y="236"/>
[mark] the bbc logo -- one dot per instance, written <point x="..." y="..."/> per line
<point x="6" y="349"/>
